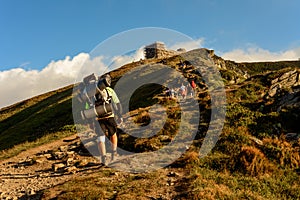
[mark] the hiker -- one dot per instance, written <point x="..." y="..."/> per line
<point x="173" y="93"/>
<point x="189" y="90"/>
<point x="107" y="122"/>
<point x="168" y="92"/>
<point x="193" y="85"/>
<point x="183" y="91"/>
<point x="102" y="110"/>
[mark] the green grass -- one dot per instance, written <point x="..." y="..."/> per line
<point x="262" y="67"/>
<point x="18" y="148"/>
<point x="44" y="115"/>
<point x="210" y="184"/>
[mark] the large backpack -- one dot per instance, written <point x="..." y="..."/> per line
<point x="95" y="87"/>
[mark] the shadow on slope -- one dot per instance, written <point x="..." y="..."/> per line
<point x="47" y="115"/>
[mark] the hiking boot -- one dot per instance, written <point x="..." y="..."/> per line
<point x="114" y="154"/>
<point x="103" y="160"/>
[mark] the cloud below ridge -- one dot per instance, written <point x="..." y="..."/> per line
<point x="189" y="45"/>
<point x="256" y="54"/>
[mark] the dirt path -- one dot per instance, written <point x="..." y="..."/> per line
<point x="35" y="150"/>
<point x="29" y="174"/>
<point x="24" y="175"/>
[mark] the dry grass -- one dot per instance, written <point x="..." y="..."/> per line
<point x="282" y="152"/>
<point x="190" y="157"/>
<point x="109" y="184"/>
<point x="253" y="162"/>
<point x="208" y="184"/>
<point x="210" y="190"/>
<point x="142" y="116"/>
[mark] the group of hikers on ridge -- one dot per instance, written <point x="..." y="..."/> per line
<point x="183" y="91"/>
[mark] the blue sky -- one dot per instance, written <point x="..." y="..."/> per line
<point x="36" y="33"/>
<point x="32" y="32"/>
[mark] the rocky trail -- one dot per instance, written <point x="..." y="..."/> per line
<point x="25" y="175"/>
<point x="29" y="174"/>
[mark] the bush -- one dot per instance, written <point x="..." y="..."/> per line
<point x="252" y="161"/>
<point x="281" y="152"/>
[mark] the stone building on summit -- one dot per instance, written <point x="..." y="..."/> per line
<point x="159" y="50"/>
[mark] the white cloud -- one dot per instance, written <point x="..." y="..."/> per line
<point x="256" y="54"/>
<point x="18" y="84"/>
<point x="25" y="64"/>
<point x="189" y="45"/>
<point x="118" y="61"/>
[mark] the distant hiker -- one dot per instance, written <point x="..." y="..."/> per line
<point x="181" y="63"/>
<point x="103" y="109"/>
<point x="189" y="90"/>
<point x="168" y="92"/>
<point x="183" y="91"/>
<point x="193" y="85"/>
<point x="173" y="93"/>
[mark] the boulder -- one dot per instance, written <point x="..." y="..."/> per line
<point x="59" y="155"/>
<point x="64" y="148"/>
<point x="70" y="162"/>
<point x="72" y="169"/>
<point x="287" y="80"/>
<point x="292" y="136"/>
<point x="58" y="167"/>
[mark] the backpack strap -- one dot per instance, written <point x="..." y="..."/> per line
<point x="109" y="97"/>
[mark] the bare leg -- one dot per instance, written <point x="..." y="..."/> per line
<point x="114" y="142"/>
<point x="102" y="149"/>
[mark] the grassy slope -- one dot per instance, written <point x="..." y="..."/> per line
<point x="32" y="119"/>
<point x="238" y="168"/>
<point x="259" y="67"/>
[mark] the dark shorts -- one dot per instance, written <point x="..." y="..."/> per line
<point x="108" y="126"/>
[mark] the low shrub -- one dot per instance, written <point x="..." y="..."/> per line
<point x="281" y="152"/>
<point x="251" y="161"/>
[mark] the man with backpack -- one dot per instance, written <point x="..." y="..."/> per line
<point x="104" y="105"/>
<point x="108" y="123"/>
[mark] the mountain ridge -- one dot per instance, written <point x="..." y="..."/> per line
<point x="256" y="156"/>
